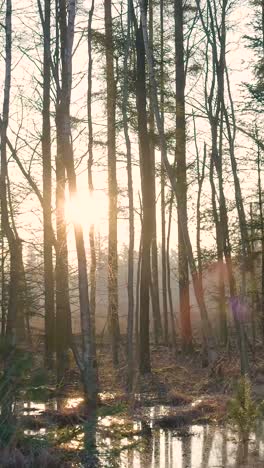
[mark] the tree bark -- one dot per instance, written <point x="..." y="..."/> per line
<point x="47" y="190"/>
<point x="87" y="360"/>
<point x="63" y="310"/>
<point x="130" y="278"/>
<point x="15" y="326"/>
<point x="181" y="171"/>
<point x="162" y="187"/>
<point x="146" y="188"/>
<point x="112" y="186"/>
<point x="154" y="249"/>
<point x="90" y="174"/>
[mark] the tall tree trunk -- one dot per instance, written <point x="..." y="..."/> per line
<point x="112" y="185"/>
<point x="162" y="185"/>
<point x="146" y="188"/>
<point x="90" y="174"/>
<point x="15" y="326"/>
<point x="130" y="278"/>
<point x="186" y="329"/>
<point x="63" y="311"/>
<point x="47" y="190"/>
<point x="87" y="359"/>
<point x="154" y="249"/>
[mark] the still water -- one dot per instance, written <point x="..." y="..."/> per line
<point x="118" y="442"/>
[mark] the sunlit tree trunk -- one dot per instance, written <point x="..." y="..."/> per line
<point x="112" y="185"/>
<point x="15" y="326"/>
<point x="146" y="188"/>
<point x="86" y="360"/>
<point x="90" y="174"/>
<point x="162" y="186"/>
<point x="63" y="311"/>
<point x="130" y="278"/>
<point x="183" y="272"/>
<point x="154" y="249"/>
<point x="137" y="306"/>
<point x="47" y="190"/>
<point x="172" y="317"/>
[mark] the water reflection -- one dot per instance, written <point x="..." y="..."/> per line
<point x="115" y="441"/>
<point x="197" y="447"/>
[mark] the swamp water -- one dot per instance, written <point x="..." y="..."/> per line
<point x="115" y="441"/>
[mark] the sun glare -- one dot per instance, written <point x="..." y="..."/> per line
<point x="87" y="209"/>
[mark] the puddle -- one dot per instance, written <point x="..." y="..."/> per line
<point x="123" y="443"/>
<point x="197" y="447"/>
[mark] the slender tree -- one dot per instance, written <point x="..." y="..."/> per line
<point x="47" y="188"/>
<point x="157" y="325"/>
<point x="63" y="311"/>
<point x="146" y="188"/>
<point x="130" y="278"/>
<point x="163" y="184"/>
<point x="186" y="329"/>
<point x="86" y="359"/>
<point x="112" y="185"/>
<point x="15" y="326"/>
<point x="90" y="174"/>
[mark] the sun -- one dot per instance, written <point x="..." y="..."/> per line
<point x="87" y="209"/>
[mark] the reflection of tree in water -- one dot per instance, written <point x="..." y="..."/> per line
<point x="90" y="447"/>
<point x="208" y="438"/>
<point x="187" y="450"/>
<point x="259" y="437"/>
<point x="224" y="449"/>
<point x="167" y="448"/>
<point x="242" y="453"/>
<point x="146" y="453"/>
<point x="156" y="447"/>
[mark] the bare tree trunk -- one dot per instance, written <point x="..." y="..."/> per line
<point x="137" y="296"/>
<point x="90" y="174"/>
<point x="146" y="188"/>
<point x="87" y="359"/>
<point x="112" y="186"/>
<point x="186" y="328"/>
<point x="154" y="249"/>
<point x="162" y="186"/>
<point x="47" y="190"/>
<point x="130" y="279"/>
<point x="63" y="311"/>
<point x="172" y="317"/>
<point x="15" y="326"/>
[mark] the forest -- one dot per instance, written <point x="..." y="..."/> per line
<point x="131" y="233"/>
